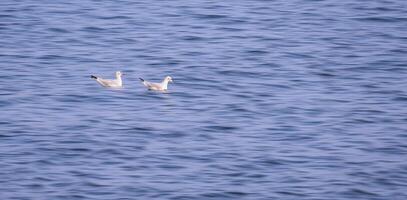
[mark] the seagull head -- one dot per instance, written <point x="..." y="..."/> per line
<point x="168" y="79"/>
<point x="119" y="74"/>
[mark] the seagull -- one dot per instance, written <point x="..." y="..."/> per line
<point x="157" y="86"/>
<point x="115" y="83"/>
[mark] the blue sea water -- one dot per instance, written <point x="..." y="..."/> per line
<point x="274" y="99"/>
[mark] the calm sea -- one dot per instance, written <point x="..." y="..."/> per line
<point x="284" y="99"/>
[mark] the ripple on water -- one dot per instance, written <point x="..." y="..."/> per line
<point x="270" y="100"/>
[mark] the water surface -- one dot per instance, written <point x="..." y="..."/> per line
<point x="271" y="100"/>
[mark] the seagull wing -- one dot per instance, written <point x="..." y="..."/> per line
<point x="152" y="86"/>
<point x="107" y="82"/>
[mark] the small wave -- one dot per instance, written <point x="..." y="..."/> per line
<point x="360" y="192"/>
<point x="93" y="29"/>
<point x="210" y="16"/>
<point x="381" y="19"/>
<point x="58" y="30"/>
<point x="115" y="17"/>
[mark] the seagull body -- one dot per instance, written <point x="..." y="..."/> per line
<point x="115" y="83"/>
<point x="163" y="86"/>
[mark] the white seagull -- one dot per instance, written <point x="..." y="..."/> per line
<point x="115" y="83"/>
<point x="163" y="86"/>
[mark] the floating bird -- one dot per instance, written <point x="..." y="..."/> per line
<point x="115" y="83"/>
<point x="163" y="86"/>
